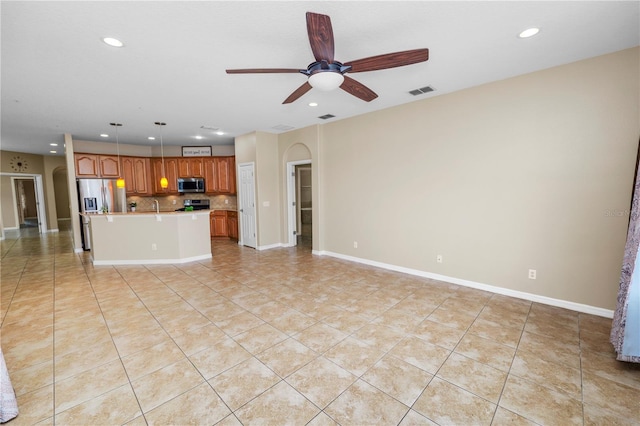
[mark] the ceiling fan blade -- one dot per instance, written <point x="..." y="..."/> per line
<point x="263" y="71"/>
<point x="320" y="36"/>
<point x="389" y="60"/>
<point x="298" y="92"/>
<point x="357" y="89"/>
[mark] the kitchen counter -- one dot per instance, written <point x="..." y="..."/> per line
<point x="149" y="238"/>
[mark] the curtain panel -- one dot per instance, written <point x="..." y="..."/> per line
<point x="625" y="331"/>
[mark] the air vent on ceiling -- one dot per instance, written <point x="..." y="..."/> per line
<point x="213" y="129"/>
<point x="326" y="116"/>
<point x="283" y="127"/>
<point x="422" y="90"/>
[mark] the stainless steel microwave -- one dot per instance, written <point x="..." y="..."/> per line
<point x="190" y="185"/>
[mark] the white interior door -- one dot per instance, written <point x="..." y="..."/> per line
<point x="247" y="205"/>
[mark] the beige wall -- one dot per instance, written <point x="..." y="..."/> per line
<point x="245" y="149"/>
<point x="515" y="175"/>
<point x="101" y="147"/>
<point x="7" y="204"/>
<point x="267" y="190"/>
<point x="62" y="193"/>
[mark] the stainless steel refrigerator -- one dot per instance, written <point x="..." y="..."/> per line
<point x="98" y="196"/>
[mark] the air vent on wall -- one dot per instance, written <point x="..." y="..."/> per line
<point x="326" y="116"/>
<point x="283" y="127"/>
<point x="422" y="90"/>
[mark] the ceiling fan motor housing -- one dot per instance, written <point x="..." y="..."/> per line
<point x="324" y="66"/>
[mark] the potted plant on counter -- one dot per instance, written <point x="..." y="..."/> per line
<point x="133" y="206"/>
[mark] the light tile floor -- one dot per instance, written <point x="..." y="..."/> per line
<point x="285" y="337"/>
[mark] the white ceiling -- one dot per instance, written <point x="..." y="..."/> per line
<point x="59" y="77"/>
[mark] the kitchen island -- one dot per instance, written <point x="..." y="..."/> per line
<point x="149" y="237"/>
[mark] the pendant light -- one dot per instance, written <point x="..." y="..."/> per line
<point x="164" y="183"/>
<point x="120" y="180"/>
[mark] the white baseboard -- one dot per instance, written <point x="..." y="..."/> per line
<point x="78" y="250"/>
<point x="579" y="307"/>
<point x="151" y="261"/>
<point x="270" y="246"/>
<point x="53" y="230"/>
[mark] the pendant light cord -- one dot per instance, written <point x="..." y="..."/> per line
<point x="160" y="123"/>
<point x="116" y="125"/>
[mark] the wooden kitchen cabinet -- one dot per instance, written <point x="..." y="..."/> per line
<point x="137" y="175"/>
<point x="109" y="166"/>
<point x="210" y="175"/>
<point x="96" y="166"/>
<point x="219" y="175"/>
<point x="219" y="227"/>
<point x="224" y="224"/>
<point x="232" y="224"/>
<point x="190" y="167"/>
<point x="86" y="165"/>
<point x="226" y="173"/>
<point x="171" y="173"/>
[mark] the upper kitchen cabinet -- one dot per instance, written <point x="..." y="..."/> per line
<point x="109" y="166"/>
<point x="86" y="165"/>
<point x="210" y="175"/>
<point x="170" y="172"/>
<point x="190" y="167"/>
<point x="219" y="175"/>
<point x="96" y="166"/>
<point x="137" y="175"/>
<point x="226" y="172"/>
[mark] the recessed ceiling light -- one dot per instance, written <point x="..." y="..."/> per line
<point x="312" y="104"/>
<point x="529" y="32"/>
<point x="114" y="42"/>
<point x="53" y="144"/>
<point x="219" y="133"/>
<point x="151" y="138"/>
<point x="104" y="135"/>
<point x="53" y="152"/>
<point x="198" y="137"/>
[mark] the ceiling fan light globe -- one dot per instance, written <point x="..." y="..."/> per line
<point x="326" y="81"/>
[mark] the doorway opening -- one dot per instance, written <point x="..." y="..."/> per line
<point x="26" y="203"/>
<point x="303" y="206"/>
<point x="300" y="211"/>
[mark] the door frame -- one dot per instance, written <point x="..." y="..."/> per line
<point x="240" y="206"/>
<point x="291" y="198"/>
<point x="40" y="205"/>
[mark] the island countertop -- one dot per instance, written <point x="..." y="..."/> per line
<point x="148" y="213"/>
<point x="149" y="238"/>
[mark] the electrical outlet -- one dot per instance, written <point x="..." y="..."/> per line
<point x="439" y="258"/>
<point x="174" y="201"/>
<point x="532" y="274"/>
<point x="154" y="246"/>
<point x="355" y="244"/>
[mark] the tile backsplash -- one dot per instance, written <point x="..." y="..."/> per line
<point x="172" y="202"/>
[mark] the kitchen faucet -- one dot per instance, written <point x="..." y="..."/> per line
<point x="157" y="206"/>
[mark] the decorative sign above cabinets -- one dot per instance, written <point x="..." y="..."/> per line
<point x="196" y="151"/>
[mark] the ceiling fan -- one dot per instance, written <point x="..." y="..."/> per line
<point x="327" y="74"/>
